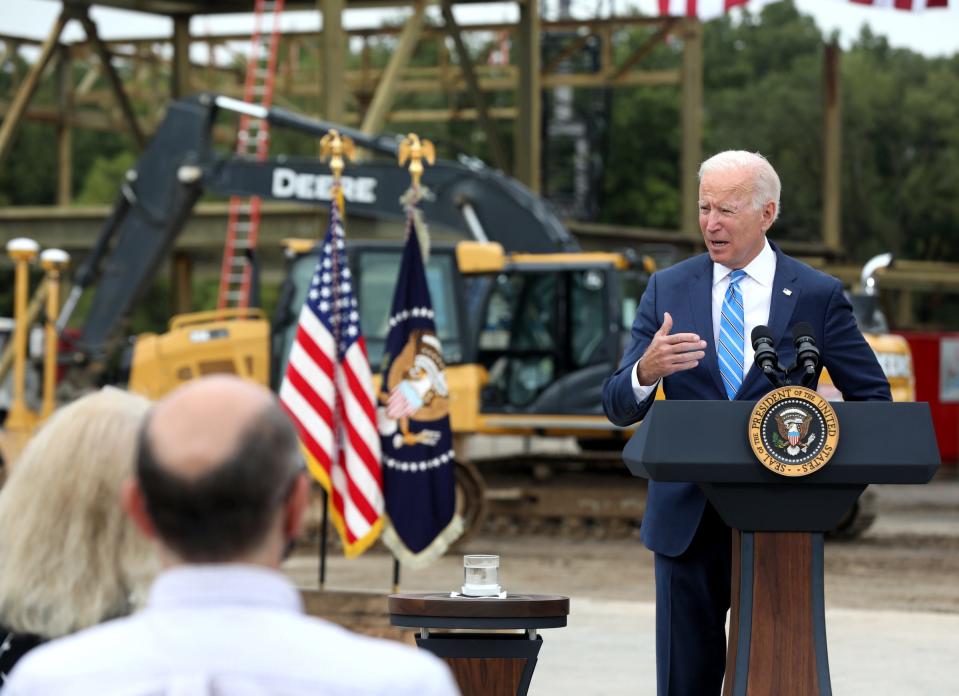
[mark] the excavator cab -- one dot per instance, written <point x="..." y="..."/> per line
<point x="548" y="337"/>
<point x="375" y="266"/>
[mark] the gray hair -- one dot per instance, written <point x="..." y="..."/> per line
<point x="766" y="181"/>
<point x="71" y="556"/>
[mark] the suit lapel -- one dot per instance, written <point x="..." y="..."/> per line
<point x="701" y="300"/>
<point x="781" y="307"/>
<point x="783" y="303"/>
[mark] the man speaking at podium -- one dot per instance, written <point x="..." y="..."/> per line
<point x="690" y="333"/>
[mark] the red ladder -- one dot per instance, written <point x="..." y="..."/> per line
<point x="253" y="141"/>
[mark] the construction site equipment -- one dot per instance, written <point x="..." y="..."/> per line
<point x="201" y="343"/>
<point x="180" y="164"/>
<point x="553" y="321"/>
<point x="54" y="262"/>
<point x="895" y="358"/>
<point x="20" y="420"/>
<point x="21" y="417"/>
<point x="530" y="324"/>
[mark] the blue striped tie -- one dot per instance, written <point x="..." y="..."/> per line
<point x="732" y="336"/>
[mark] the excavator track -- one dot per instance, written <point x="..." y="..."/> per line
<point x="577" y="496"/>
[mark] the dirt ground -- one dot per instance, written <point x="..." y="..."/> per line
<point x="892" y="600"/>
<point x="908" y="560"/>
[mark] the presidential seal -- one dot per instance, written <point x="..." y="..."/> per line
<point x="417" y="391"/>
<point x="793" y="431"/>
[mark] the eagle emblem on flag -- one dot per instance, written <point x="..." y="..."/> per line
<point x="417" y="390"/>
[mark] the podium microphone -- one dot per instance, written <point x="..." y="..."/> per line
<point x="807" y="354"/>
<point x="766" y="357"/>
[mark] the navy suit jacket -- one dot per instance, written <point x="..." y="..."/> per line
<point x="673" y="510"/>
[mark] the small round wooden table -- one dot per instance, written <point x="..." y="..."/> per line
<point x="484" y="663"/>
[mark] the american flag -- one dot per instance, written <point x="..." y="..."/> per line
<point x="328" y="392"/>
<point x="710" y="9"/>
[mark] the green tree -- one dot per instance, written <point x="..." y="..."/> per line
<point x="762" y="81"/>
<point x="104" y="178"/>
<point x="900" y="151"/>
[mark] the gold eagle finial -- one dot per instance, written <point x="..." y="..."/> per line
<point x="416" y="150"/>
<point x="336" y="147"/>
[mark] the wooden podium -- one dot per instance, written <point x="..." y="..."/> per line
<point x="777" y="636"/>
<point x="483" y="663"/>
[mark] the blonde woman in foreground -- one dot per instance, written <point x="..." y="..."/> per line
<point x="69" y="555"/>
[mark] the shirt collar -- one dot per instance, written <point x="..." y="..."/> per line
<point x="762" y="269"/>
<point x="221" y="585"/>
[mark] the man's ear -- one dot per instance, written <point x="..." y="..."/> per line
<point x="131" y="497"/>
<point x="769" y="214"/>
<point x="296" y="505"/>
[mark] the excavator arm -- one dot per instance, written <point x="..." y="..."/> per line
<point x="180" y="164"/>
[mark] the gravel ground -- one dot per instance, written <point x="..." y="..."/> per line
<point x="908" y="560"/>
<point x="892" y="599"/>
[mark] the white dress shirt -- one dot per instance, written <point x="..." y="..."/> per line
<point x="226" y="629"/>
<point x="757" y="292"/>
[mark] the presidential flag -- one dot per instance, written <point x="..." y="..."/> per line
<point x="328" y="392"/>
<point x="414" y="425"/>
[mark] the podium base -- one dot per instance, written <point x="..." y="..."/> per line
<point x="777" y="625"/>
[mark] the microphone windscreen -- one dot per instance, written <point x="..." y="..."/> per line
<point x="803" y="328"/>
<point x="761" y="332"/>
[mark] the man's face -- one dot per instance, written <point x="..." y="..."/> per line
<point x="733" y="229"/>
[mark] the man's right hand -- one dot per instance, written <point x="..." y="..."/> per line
<point x="667" y="353"/>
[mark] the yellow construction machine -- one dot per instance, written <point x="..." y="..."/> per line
<point x="894" y="357"/>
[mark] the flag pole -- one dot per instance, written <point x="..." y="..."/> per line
<point x="324" y="520"/>
<point x="335" y="148"/>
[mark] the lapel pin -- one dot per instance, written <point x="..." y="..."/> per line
<point x="787" y="292"/>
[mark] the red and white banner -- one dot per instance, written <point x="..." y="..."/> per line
<point x="904" y="4"/>
<point x="704" y="9"/>
<point x="710" y="9"/>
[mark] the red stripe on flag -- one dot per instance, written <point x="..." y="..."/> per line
<point x="351" y="492"/>
<point x="730" y="4"/>
<point x="362" y="448"/>
<point x="369" y="459"/>
<point x="316" y="402"/>
<point x="322" y="458"/>
<point x="312" y="446"/>
<point x="664" y="7"/>
<point x="691" y="8"/>
<point x="937" y="3"/>
<point x="320" y="357"/>
<point x="359" y="501"/>
<point x="359" y="392"/>
<point x="903" y="4"/>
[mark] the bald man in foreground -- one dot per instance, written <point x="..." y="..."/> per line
<point x="220" y="487"/>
